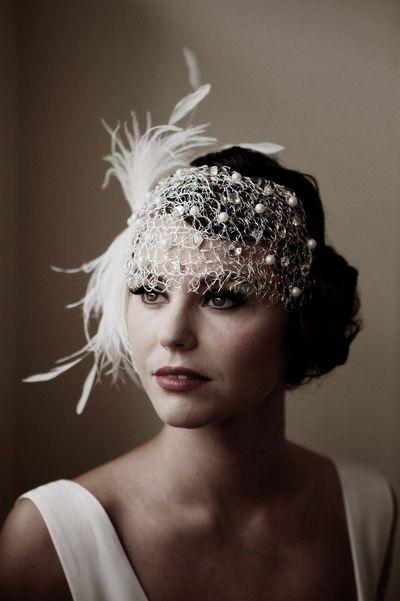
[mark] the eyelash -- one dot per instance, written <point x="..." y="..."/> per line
<point x="237" y="298"/>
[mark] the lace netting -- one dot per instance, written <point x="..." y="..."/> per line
<point x="204" y="227"/>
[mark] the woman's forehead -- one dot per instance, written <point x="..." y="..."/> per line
<point x="183" y="244"/>
<point x="181" y="257"/>
<point x="263" y="248"/>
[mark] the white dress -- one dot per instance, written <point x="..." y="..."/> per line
<point x="97" y="569"/>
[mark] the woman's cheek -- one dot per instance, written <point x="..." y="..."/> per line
<point x="257" y="358"/>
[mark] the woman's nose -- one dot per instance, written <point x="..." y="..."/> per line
<point x="178" y="326"/>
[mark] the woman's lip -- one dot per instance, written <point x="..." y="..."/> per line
<point x="169" y="370"/>
<point x="173" y="383"/>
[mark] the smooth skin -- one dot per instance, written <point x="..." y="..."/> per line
<point x="219" y="505"/>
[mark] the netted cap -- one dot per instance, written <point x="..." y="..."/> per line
<point x="212" y="225"/>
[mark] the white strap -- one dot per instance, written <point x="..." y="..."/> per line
<point x="370" y="513"/>
<point x="94" y="562"/>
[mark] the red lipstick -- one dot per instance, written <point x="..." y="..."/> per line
<point x="179" y="378"/>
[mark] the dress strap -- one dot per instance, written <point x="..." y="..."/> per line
<point x="369" y="506"/>
<point x="94" y="562"/>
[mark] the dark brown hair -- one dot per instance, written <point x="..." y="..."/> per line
<point x="321" y="331"/>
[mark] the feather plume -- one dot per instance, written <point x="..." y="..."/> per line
<point x="138" y="161"/>
<point x="188" y="103"/>
<point x="263" y="147"/>
<point x="193" y="68"/>
<point x="147" y="158"/>
<point x="87" y="387"/>
<point x="53" y="373"/>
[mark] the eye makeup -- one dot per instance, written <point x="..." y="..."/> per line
<point x="235" y="297"/>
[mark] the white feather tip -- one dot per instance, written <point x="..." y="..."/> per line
<point x="193" y="67"/>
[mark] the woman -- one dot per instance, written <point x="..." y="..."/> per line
<point x="230" y="296"/>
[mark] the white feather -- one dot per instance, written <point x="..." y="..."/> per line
<point x="87" y="387"/>
<point x="263" y="147"/>
<point x="53" y="373"/>
<point x="193" y="68"/>
<point x="85" y="267"/>
<point x="144" y="159"/>
<point x="83" y="351"/>
<point x="138" y="161"/>
<point x="188" y="103"/>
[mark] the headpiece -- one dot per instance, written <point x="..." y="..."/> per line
<point x="188" y="225"/>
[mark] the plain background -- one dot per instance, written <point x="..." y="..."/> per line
<point x="319" y="77"/>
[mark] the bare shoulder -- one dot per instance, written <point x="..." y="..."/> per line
<point x="322" y="488"/>
<point x="313" y="464"/>
<point x="111" y="481"/>
<point x="29" y="565"/>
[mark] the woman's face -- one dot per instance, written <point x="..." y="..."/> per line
<point x="238" y="345"/>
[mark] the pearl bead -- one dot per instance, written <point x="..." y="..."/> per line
<point x="214" y="170"/>
<point x="260" y="208"/>
<point x="176" y="266"/>
<point x="295" y="292"/>
<point x="311" y="243"/>
<point x="178" y="173"/>
<point x="257" y="234"/>
<point x="292" y="201"/>
<point x="236" y="177"/>
<point x="296" y="221"/>
<point x="234" y="251"/>
<point x="197" y="240"/>
<point x="194" y="210"/>
<point x="180" y="209"/>
<point x="270" y="260"/>
<point x="233" y="197"/>
<point x="223" y="217"/>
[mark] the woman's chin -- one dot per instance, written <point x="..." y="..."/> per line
<point x="182" y="415"/>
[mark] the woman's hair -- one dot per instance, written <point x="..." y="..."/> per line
<point x="320" y="332"/>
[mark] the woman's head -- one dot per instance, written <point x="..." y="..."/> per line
<point x="247" y="349"/>
<point x="317" y="330"/>
<point x="273" y="260"/>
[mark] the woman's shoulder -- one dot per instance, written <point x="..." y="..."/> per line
<point x="29" y="565"/>
<point x="349" y="470"/>
<point x="366" y="486"/>
<point x="367" y="495"/>
<point x="109" y="482"/>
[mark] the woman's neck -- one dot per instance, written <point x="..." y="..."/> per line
<point x="237" y="461"/>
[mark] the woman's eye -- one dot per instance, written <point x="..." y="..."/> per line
<point x="224" y="299"/>
<point x="149" y="297"/>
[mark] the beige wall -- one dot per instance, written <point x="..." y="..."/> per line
<point x="321" y="78"/>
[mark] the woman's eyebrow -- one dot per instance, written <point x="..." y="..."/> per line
<point x="225" y="277"/>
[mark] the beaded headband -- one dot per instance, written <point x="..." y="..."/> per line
<point x="213" y="225"/>
<point x="187" y="224"/>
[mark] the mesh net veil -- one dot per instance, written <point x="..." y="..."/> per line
<point x="204" y="227"/>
